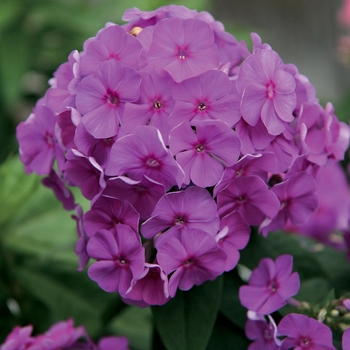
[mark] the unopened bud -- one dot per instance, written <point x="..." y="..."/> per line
<point x="343" y="326"/>
<point x="334" y="313"/>
<point x="322" y="315"/>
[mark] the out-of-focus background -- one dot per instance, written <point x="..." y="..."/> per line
<point x="36" y="36"/>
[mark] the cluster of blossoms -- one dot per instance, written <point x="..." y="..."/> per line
<point x="61" y="335"/>
<point x="271" y="286"/>
<point x="182" y="139"/>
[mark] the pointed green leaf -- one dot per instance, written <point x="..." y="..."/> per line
<point x="186" y="321"/>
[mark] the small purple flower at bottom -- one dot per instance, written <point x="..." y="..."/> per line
<point x="304" y="333"/>
<point x="271" y="284"/>
<point x="262" y="333"/>
<point x="18" y="338"/>
<point x="113" y="343"/>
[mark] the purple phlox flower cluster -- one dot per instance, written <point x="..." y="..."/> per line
<point x="61" y="335"/>
<point x="181" y="139"/>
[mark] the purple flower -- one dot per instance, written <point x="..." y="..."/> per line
<point x="262" y="333"/>
<point x="210" y="95"/>
<point x="267" y="91"/>
<point x="298" y="198"/>
<point x="251" y="197"/>
<point x="106" y="213"/>
<point x="18" y="339"/>
<point x="151" y="287"/>
<point x="346" y="339"/>
<point x="271" y="284"/>
<point x="84" y="172"/>
<point x="144" y="154"/>
<point x="234" y="235"/>
<point x="111" y="42"/>
<point x="194" y="257"/>
<point x="154" y="106"/>
<point x="143" y="195"/>
<point x="60" y="335"/>
<point x="99" y="149"/>
<point x="192" y="208"/>
<point x="37" y="141"/>
<point x="120" y="258"/>
<point x="183" y="48"/>
<point x="303" y="332"/>
<point x="203" y="153"/>
<point x="102" y="95"/>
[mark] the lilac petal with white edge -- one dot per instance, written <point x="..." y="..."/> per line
<point x="143" y="195"/>
<point x="85" y="173"/>
<point x="234" y="235"/>
<point x="151" y="287"/>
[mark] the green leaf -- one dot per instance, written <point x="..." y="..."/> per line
<point x="226" y="336"/>
<point x="230" y="304"/>
<point x="186" y="321"/>
<point x="314" y="290"/>
<point x="16" y="188"/>
<point x="136" y="324"/>
<point x="60" y="298"/>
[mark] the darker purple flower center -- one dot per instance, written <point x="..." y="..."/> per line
<point x="122" y="262"/>
<point x="188" y="262"/>
<point x="199" y="148"/>
<point x="180" y="220"/>
<point x="49" y="139"/>
<point x="270" y="89"/>
<point x="157" y="104"/>
<point x="267" y="334"/>
<point x="182" y="53"/>
<point x="152" y="162"/>
<point x="273" y="286"/>
<point x="304" y="342"/>
<point x="202" y="106"/>
<point x="112" y="98"/>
